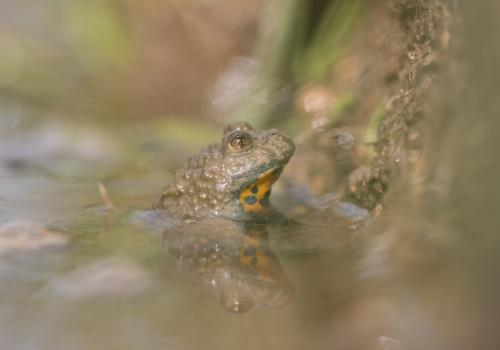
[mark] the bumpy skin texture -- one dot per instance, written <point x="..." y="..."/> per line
<point x="232" y="179"/>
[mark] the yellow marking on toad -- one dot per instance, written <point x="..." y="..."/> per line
<point x="255" y="198"/>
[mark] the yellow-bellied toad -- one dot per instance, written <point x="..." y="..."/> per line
<point x="232" y="179"/>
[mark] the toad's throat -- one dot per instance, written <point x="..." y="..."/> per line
<point x="255" y="197"/>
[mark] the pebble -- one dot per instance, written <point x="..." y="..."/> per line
<point x="23" y="236"/>
<point x="104" y="278"/>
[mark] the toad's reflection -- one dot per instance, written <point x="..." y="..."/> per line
<point x="234" y="259"/>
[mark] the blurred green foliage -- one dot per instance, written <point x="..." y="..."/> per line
<point x="99" y="35"/>
<point x="327" y="39"/>
<point x="302" y="42"/>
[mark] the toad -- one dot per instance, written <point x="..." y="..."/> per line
<point x="231" y="180"/>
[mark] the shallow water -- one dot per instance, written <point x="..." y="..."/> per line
<point x="52" y="298"/>
<point x="113" y="285"/>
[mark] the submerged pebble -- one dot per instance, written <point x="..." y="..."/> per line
<point x="152" y="220"/>
<point x="22" y="236"/>
<point x="351" y="211"/>
<point x="109" y="277"/>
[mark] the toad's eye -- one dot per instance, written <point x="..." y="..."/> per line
<point x="240" y="142"/>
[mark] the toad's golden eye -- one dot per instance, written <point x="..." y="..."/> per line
<point x="240" y="141"/>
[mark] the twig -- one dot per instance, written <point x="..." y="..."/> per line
<point x="103" y="192"/>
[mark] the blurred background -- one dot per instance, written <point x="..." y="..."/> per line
<point x="122" y="59"/>
<point x="169" y="59"/>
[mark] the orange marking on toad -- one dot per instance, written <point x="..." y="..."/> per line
<point x="254" y="198"/>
